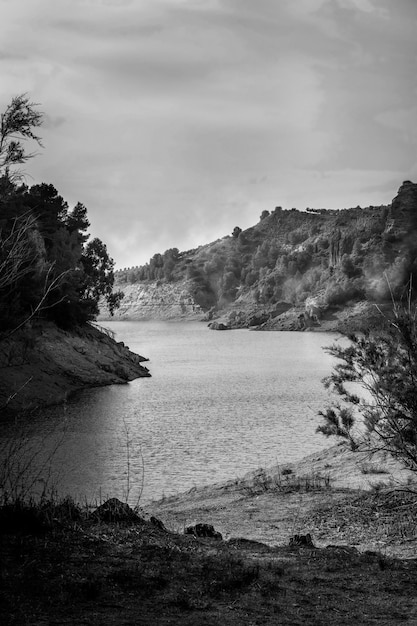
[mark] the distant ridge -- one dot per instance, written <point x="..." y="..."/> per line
<point x="292" y="270"/>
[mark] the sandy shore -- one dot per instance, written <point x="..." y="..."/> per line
<point x="331" y="494"/>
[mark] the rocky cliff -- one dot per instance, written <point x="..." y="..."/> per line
<point x="157" y="300"/>
<point x="41" y="365"/>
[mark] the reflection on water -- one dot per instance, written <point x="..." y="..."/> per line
<point x="218" y="405"/>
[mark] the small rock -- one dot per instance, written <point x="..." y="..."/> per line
<point x="218" y="326"/>
<point x="203" y="530"/>
<point x="302" y="541"/>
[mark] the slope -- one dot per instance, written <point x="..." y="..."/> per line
<point x="301" y="266"/>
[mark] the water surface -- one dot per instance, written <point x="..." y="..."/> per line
<point x="218" y="404"/>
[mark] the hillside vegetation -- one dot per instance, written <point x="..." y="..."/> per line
<point x="48" y="266"/>
<point x="52" y="278"/>
<point x="317" y="259"/>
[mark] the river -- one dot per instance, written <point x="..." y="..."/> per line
<point x="218" y="405"/>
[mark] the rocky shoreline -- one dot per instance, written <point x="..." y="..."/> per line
<point x="42" y="364"/>
<point x="285" y="317"/>
<point x="156" y="300"/>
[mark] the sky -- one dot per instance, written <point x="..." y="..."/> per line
<point x="173" y="121"/>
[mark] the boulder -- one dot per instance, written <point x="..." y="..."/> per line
<point x="302" y="541"/>
<point x="114" y="510"/>
<point x="218" y="326"/>
<point x="203" y="530"/>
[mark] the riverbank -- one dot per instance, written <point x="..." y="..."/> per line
<point x="298" y="548"/>
<point x="321" y="495"/>
<point x="42" y="364"/>
<point x="351" y="317"/>
<point x="175" y="301"/>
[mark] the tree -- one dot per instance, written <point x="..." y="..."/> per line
<point x="17" y="124"/>
<point x="28" y="283"/>
<point x="98" y="276"/>
<point x="45" y="264"/>
<point x="383" y="362"/>
<point x="50" y="209"/>
<point x="170" y="258"/>
<point x="348" y="266"/>
<point x="229" y="285"/>
<point x="76" y="221"/>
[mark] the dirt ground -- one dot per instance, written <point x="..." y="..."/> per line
<point x="271" y="505"/>
<point x="357" y="567"/>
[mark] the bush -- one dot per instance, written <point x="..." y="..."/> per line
<point x="383" y="362"/>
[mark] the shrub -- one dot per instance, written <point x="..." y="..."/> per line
<point x="383" y="362"/>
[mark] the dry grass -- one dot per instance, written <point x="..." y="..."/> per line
<point x="62" y="565"/>
<point x="285" y="481"/>
<point x="382" y="519"/>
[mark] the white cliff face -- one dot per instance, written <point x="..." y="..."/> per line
<point x="156" y="301"/>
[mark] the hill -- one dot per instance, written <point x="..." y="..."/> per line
<point x="293" y="269"/>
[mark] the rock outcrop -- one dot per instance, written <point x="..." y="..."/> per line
<point x="203" y="530"/>
<point x="218" y="326"/>
<point x="115" y="511"/>
<point x="157" y="301"/>
<point x="402" y="216"/>
<point x="42" y="365"/>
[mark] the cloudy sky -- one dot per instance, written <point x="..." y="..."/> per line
<point x="175" y="120"/>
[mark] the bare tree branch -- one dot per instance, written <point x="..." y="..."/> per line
<point x="16" y="254"/>
<point x="49" y="286"/>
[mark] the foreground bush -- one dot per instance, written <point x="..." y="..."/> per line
<point x="383" y="362"/>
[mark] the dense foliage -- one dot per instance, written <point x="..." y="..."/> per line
<point x="47" y="265"/>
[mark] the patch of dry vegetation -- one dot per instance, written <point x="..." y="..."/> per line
<point x="73" y="568"/>
<point x="66" y="564"/>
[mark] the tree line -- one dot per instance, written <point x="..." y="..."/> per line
<point x="289" y="255"/>
<point x="49" y="266"/>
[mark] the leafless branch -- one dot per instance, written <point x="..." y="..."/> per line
<point x="49" y="287"/>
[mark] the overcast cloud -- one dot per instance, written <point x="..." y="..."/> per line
<point x="175" y="120"/>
